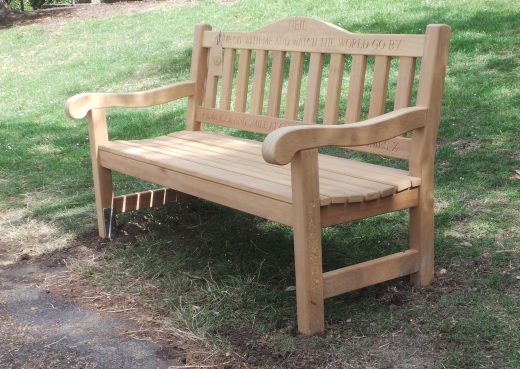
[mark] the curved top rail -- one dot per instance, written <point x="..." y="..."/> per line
<point x="307" y="34"/>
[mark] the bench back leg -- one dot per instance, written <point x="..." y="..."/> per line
<point x="421" y="236"/>
<point x="98" y="135"/>
<point x="307" y="242"/>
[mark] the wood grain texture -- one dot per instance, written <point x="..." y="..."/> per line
<point x="307" y="242"/>
<point x="356" y="88"/>
<point x="276" y="83"/>
<point x="312" y="101"/>
<point x="294" y="85"/>
<point x="198" y="73"/>
<point x="335" y="80"/>
<point x="78" y="106"/>
<point x="228" y="74"/>
<point x="244" y="63"/>
<point x="102" y="176"/>
<point x="365" y="274"/>
<point x="280" y="146"/>
<point x="257" y="98"/>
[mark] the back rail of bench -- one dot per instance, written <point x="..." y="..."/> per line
<point x="257" y="67"/>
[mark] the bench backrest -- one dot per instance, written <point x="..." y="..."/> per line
<point x="365" y="72"/>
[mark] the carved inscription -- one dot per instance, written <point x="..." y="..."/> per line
<point x="248" y="122"/>
<point x="297" y="25"/>
<point x="389" y="145"/>
<point x="344" y="43"/>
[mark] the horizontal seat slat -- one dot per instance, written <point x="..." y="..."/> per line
<point x="338" y="191"/>
<point x="335" y="193"/>
<point x="256" y="159"/>
<point x="354" y="168"/>
<point x="265" y="188"/>
<point x="238" y="163"/>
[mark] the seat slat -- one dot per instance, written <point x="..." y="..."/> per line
<point x="228" y="72"/>
<point x="379" y="86"/>
<point x="275" y="86"/>
<point x="294" y="85"/>
<point x="336" y="68"/>
<point x="391" y="176"/>
<point x="337" y="192"/>
<point x="312" y="101"/>
<point x="356" y="88"/>
<point x="244" y="62"/>
<point x="339" y="188"/>
<point x="247" y="183"/>
<point x="257" y="98"/>
<point x="256" y="159"/>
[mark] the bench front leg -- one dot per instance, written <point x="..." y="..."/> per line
<point x="307" y="242"/>
<point x="98" y="135"/>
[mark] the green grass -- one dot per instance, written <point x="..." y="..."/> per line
<point x="216" y="271"/>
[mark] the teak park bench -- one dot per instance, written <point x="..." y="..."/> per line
<point x="285" y="179"/>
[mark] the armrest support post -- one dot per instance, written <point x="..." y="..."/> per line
<point x="98" y="135"/>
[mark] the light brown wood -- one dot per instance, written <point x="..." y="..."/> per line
<point x="294" y="85"/>
<point x="307" y="242"/>
<point x="356" y="88"/>
<point x="431" y="88"/>
<point x="312" y="101"/>
<point x="78" y="106"/>
<point x="244" y="62"/>
<point x="379" y="86"/>
<point x="398" y="147"/>
<point x="243" y="121"/>
<point x="280" y="146"/>
<point x="313" y="35"/>
<point x="199" y="71"/>
<point x="145" y="200"/>
<point x="98" y="135"/>
<point x="365" y="274"/>
<point x="249" y="202"/>
<point x="257" y="98"/>
<point x="338" y="214"/>
<point x="336" y="69"/>
<point x="284" y="179"/>
<point x="405" y="79"/>
<point x="338" y="188"/>
<point x="337" y="166"/>
<point x="276" y="83"/>
<point x="228" y="74"/>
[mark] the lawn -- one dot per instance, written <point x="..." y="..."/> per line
<point x="223" y="275"/>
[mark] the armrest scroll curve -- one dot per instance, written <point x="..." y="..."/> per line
<point x="79" y="105"/>
<point x="282" y="144"/>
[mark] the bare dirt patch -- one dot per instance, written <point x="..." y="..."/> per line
<point x="55" y="18"/>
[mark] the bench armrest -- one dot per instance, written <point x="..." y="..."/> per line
<point x="78" y="106"/>
<point x="282" y="144"/>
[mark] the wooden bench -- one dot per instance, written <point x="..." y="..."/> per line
<point x="285" y="179"/>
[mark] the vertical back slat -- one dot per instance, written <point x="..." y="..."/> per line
<point x="313" y="88"/>
<point x="330" y="115"/>
<point x="257" y="99"/>
<point x="211" y="91"/>
<point x="356" y="88"/>
<point x="242" y="80"/>
<point x="294" y="85"/>
<point x="405" y="77"/>
<point x="379" y="86"/>
<point x="275" y="88"/>
<point x="228" y="71"/>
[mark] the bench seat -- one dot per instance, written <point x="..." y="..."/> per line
<point x="238" y="163"/>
